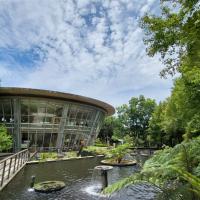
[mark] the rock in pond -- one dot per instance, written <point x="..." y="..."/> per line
<point x="49" y="186"/>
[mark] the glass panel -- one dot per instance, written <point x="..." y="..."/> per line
<point x="39" y="119"/>
<point x="66" y="140"/>
<point x="58" y="111"/>
<point x="41" y="111"/>
<point x="47" y="138"/>
<point x="57" y="120"/>
<point x="1" y="109"/>
<point x="40" y="139"/>
<point x="24" y="108"/>
<point x="24" y="137"/>
<point x="31" y="119"/>
<point x="1" y="113"/>
<point x="32" y="109"/>
<point x="72" y="112"/>
<point x="7" y="109"/>
<point x="53" y="139"/>
<point x="84" y="119"/>
<point x="76" y="142"/>
<point x="50" y="109"/>
<point x="7" y="112"/>
<point x="49" y="120"/>
<point x="72" y="140"/>
<point x="72" y="116"/>
<point x="24" y="119"/>
<point x="7" y="118"/>
<point x="1" y="118"/>
<point x="32" y="140"/>
<point x="79" y="115"/>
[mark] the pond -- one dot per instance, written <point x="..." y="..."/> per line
<point x="77" y="174"/>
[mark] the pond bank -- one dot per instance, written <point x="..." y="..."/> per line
<point x="61" y="159"/>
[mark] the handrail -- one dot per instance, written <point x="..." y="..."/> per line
<point x="11" y="165"/>
<point x="12" y="155"/>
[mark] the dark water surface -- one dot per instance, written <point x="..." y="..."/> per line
<point x="77" y="174"/>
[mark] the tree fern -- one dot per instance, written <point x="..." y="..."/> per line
<point x="174" y="168"/>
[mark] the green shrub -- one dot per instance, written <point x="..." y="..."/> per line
<point x="5" y="139"/>
<point x="97" y="150"/>
<point x="119" y="152"/>
<point x="48" y="155"/>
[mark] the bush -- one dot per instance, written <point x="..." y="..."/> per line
<point x="97" y="150"/>
<point x="119" y="152"/>
<point x="5" y="139"/>
<point x="45" y="156"/>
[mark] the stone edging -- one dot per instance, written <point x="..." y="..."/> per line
<point x="61" y="159"/>
<point x="131" y="163"/>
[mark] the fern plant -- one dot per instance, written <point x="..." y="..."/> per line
<point x="176" y="169"/>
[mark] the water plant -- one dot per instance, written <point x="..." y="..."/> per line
<point x="119" y="152"/>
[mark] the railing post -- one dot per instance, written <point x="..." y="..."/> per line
<point x="2" y="178"/>
<point x="24" y="157"/>
<point x="15" y="164"/>
<point x="27" y="155"/>
<point x="10" y="164"/>
<point x="18" y="156"/>
<point x="21" y="157"/>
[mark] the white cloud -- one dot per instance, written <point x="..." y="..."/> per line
<point x="92" y="48"/>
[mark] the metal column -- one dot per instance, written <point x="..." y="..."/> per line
<point x="17" y="121"/>
<point x="90" y="139"/>
<point x="60" y="138"/>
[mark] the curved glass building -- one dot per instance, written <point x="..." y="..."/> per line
<point x="43" y="120"/>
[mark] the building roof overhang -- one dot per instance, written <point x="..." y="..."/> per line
<point x="29" y="92"/>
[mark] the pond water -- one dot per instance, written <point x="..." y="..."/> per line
<point x="77" y="174"/>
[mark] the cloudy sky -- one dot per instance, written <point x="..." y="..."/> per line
<point x="92" y="48"/>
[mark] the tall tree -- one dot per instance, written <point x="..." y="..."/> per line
<point x="140" y="111"/>
<point x="112" y="126"/>
<point x="175" y="34"/>
<point x="131" y="120"/>
<point x="156" y="132"/>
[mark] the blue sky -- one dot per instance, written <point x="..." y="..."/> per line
<point x="92" y="48"/>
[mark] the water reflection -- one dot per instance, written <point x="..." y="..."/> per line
<point x="77" y="175"/>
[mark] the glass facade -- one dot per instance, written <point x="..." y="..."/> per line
<point x="45" y="124"/>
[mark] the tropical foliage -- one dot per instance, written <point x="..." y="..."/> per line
<point x="119" y="152"/>
<point x="174" y="169"/>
